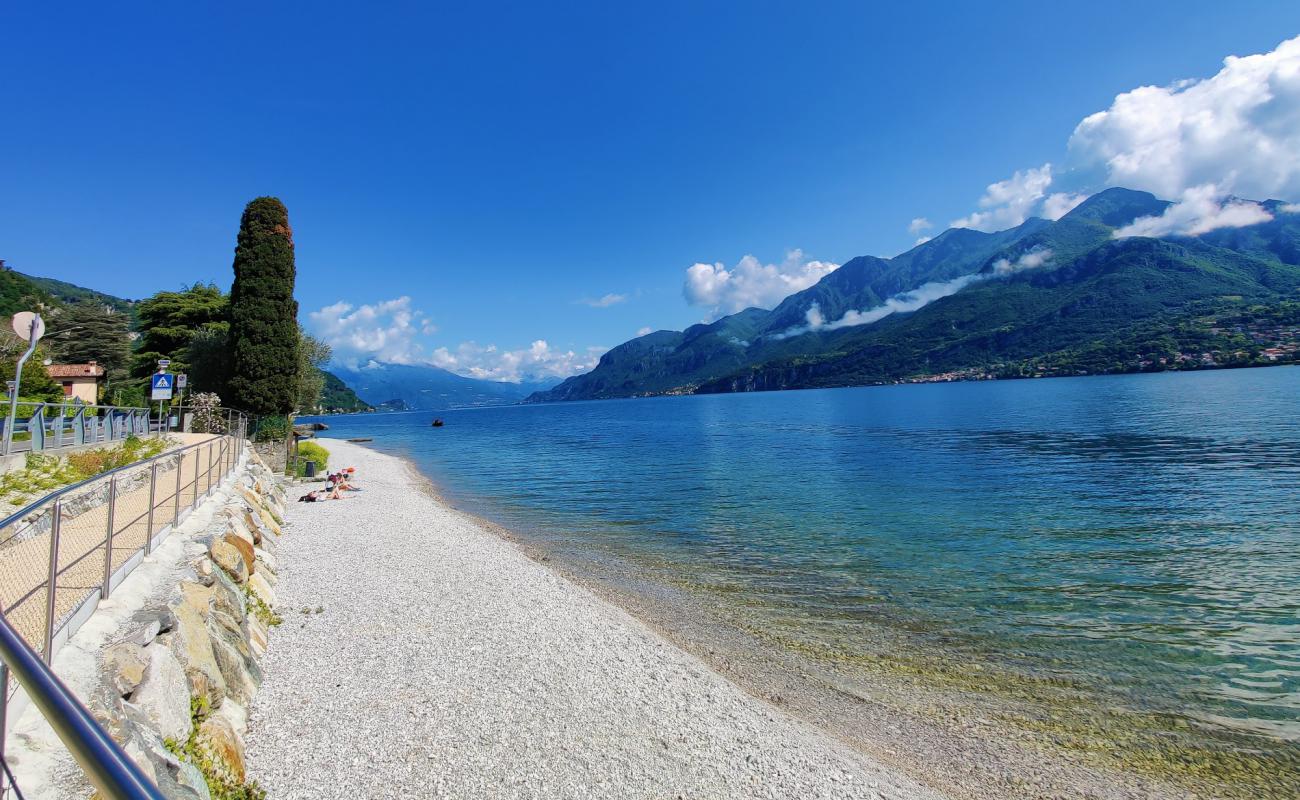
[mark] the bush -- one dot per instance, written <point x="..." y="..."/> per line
<point x="272" y="429"/>
<point x="46" y="472"/>
<point x="310" y="451"/>
<point x="209" y="417"/>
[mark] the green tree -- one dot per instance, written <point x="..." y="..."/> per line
<point x="263" y="313"/>
<point x="313" y="355"/>
<point x="169" y="320"/>
<point x="208" y="359"/>
<point x="37" y="383"/>
<point x="86" y="332"/>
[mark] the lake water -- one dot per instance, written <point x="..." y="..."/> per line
<point x="1130" y="543"/>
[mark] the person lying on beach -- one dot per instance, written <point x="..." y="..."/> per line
<point x="321" y="495"/>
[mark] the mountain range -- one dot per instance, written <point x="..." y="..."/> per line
<point x="1045" y="297"/>
<point x="426" y="387"/>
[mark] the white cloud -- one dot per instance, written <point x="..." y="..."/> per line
<point x="539" y="361"/>
<point x="921" y="241"/>
<point x="1200" y="210"/>
<point x="385" y="331"/>
<point x="644" y="330"/>
<point x="751" y="283"/>
<point x="1291" y="208"/>
<point x="918" y="225"/>
<point x="1243" y="122"/>
<point x="1238" y="130"/>
<point x="1008" y="203"/>
<point x="904" y="302"/>
<point x="1032" y="259"/>
<point x="1059" y="204"/>
<point x="900" y="303"/>
<point x="388" y="332"/>
<point x="605" y="301"/>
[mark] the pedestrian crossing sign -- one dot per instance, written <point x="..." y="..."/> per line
<point x="160" y="386"/>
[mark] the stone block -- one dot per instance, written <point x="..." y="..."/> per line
<point x="164" y="694"/>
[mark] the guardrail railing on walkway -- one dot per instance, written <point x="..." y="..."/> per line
<point x="53" y="425"/>
<point x="63" y="554"/>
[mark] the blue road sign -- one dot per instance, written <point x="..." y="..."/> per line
<point x="161" y="385"/>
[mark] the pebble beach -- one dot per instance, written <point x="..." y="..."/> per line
<point x="423" y="655"/>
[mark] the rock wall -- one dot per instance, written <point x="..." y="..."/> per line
<point x="274" y="454"/>
<point x="182" y="681"/>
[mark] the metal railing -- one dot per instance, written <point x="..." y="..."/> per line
<point x="105" y="763"/>
<point x="55" y="425"/>
<point x="63" y="554"/>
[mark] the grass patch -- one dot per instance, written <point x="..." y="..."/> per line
<point x="44" y="473"/>
<point x="221" y="783"/>
<point x="261" y="610"/>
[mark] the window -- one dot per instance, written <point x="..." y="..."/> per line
<point x="67" y="388"/>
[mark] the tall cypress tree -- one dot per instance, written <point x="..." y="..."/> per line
<point x="263" y="313"/>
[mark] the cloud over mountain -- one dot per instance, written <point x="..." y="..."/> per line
<point x="391" y="332"/>
<point x="536" y="362"/>
<point x="1237" y="132"/>
<point x="751" y="283"/>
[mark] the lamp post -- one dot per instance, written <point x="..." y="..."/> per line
<point x="30" y="326"/>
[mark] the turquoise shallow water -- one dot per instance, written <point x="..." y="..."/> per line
<point x="1137" y="537"/>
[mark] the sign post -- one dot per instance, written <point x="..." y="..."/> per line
<point x="160" y="388"/>
<point x="31" y="327"/>
<point x="182" y="380"/>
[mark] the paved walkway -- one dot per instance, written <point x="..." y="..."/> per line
<point x="25" y="556"/>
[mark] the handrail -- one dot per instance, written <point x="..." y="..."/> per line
<point x="104" y="761"/>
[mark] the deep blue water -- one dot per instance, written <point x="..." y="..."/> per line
<point x="1136" y="535"/>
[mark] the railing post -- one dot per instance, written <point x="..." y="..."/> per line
<point x="79" y="426"/>
<point x="108" y="538"/>
<point x="36" y="427"/>
<point x="55" y="524"/>
<point x="176" y="500"/>
<point x="195" y="482"/>
<point x="153" y="494"/>
<point x="4" y="723"/>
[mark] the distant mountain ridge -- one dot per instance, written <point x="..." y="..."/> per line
<point x="1002" y="300"/>
<point x="426" y="387"/>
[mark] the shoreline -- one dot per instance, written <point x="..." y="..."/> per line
<point x="954" y="741"/>
<point x="425" y="653"/>
<point x="972" y="759"/>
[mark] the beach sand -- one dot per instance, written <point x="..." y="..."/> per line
<point x="422" y="655"/>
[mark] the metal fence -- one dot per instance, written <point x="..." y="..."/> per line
<point x="63" y="553"/>
<point x="54" y="425"/>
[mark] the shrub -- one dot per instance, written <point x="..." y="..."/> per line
<point x="209" y="417"/>
<point x="272" y="429"/>
<point x="310" y="451"/>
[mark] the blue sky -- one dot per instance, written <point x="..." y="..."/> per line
<point x="470" y="176"/>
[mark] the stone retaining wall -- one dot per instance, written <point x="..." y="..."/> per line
<point x="182" y="681"/>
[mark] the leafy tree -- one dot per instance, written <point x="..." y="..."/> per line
<point x="263" y="313"/>
<point x="37" y="383"/>
<point x="169" y="320"/>
<point x="87" y="332"/>
<point x="81" y="333"/>
<point x="313" y="355"/>
<point x="208" y="358"/>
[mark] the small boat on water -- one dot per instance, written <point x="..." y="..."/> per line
<point x="437" y="423"/>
